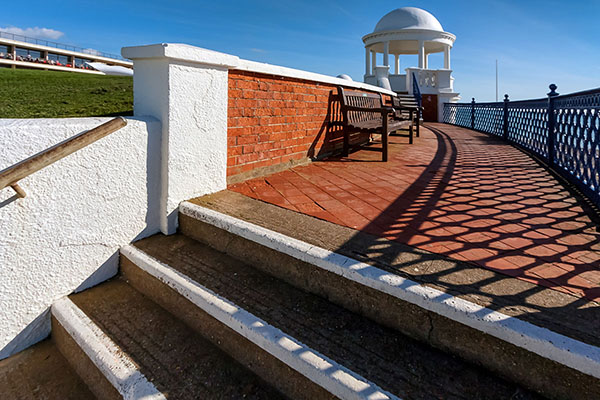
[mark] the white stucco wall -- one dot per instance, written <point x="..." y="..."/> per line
<point x="185" y="87"/>
<point x="65" y="235"/>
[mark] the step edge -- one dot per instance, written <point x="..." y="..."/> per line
<point x="343" y="382"/>
<point x="111" y="361"/>
<point x="544" y="342"/>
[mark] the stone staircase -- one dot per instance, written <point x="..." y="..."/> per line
<point x="209" y="313"/>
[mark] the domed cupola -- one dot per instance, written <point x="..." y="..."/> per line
<point x="408" y="18"/>
<point x="410" y="30"/>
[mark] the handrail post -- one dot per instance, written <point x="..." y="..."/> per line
<point x="505" y="118"/>
<point x="551" y="124"/>
<point x="473" y="113"/>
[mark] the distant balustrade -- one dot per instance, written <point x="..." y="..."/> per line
<point x="562" y="130"/>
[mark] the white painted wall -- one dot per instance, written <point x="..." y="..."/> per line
<point x="185" y="87"/>
<point x="65" y="235"/>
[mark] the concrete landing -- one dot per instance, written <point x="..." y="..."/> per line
<point x="457" y="193"/>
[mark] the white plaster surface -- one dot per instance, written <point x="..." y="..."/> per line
<point x="110" y="360"/>
<point x="190" y="99"/>
<point x="554" y="346"/>
<point x="327" y="373"/>
<point x="65" y="235"/>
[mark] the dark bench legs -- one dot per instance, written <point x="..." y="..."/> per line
<point x="384" y="138"/>
<point x="418" y="124"/>
<point x="346" y="150"/>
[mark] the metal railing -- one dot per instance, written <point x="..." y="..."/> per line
<point x="12" y="175"/>
<point x="564" y="131"/>
<point x="48" y="43"/>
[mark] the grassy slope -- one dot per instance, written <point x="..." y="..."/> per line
<point x="51" y="94"/>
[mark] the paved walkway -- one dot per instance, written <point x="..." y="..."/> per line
<point x="454" y="192"/>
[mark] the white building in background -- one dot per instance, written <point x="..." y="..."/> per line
<point x="17" y="51"/>
<point x="411" y="30"/>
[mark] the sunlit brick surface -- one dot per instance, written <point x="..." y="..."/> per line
<point x="453" y="192"/>
<point x="274" y="120"/>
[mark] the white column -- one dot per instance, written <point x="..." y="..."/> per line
<point x="447" y="57"/>
<point x="367" y="61"/>
<point x="386" y="53"/>
<point x="373" y="61"/>
<point x="166" y="85"/>
<point x="426" y="61"/>
<point x="397" y="64"/>
<point x="421" y="54"/>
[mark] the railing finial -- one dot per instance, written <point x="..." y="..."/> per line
<point x="553" y="88"/>
<point x="506" y="97"/>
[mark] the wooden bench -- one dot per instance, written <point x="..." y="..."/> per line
<point x="407" y="107"/>
<point x="366" y="112"/>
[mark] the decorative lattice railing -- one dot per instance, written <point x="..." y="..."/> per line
<point x="562" y="130"/>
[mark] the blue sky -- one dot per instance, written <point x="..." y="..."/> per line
<point x="536" y="42"/>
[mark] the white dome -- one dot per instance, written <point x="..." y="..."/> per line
<point x="408" y="18"/>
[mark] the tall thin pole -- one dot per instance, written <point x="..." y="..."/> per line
<point x="496" y="80"/>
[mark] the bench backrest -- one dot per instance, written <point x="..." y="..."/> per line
<point x="354" y="98"/>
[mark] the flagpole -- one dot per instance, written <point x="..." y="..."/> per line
<point x="496" y="80"/>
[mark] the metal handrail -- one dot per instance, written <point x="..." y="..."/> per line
<point x="416" y="89"/>
<point x="12" y="175"/>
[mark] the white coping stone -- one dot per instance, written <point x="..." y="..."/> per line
<point x="253" y="66"/>
<point x="193" y="54"/>
<point x="325" y="372"/>
<point x="112" y="362"/>
<point x="544" y="342"/>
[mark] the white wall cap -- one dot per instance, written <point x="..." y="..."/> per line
<point x="195" y="54"/>
<point x="253" y="66"/>
<point x="182" y="52"/>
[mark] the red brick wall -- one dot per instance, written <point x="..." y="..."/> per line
<point x="274" y="120"/>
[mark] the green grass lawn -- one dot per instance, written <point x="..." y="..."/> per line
<point x="51" y="94"/>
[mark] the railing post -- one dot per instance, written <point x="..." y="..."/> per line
<point x="473" y="113"/>
<point x="551" y="123"/>
<point x="505" y="118"/>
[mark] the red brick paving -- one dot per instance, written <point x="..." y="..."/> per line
<point x="457" y="193"/>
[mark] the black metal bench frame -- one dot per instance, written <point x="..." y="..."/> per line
<point x="403" y="104"/>
<point x="366" y="112"/>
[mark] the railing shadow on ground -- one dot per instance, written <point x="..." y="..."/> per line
<point x="472" y="215"/>
<point x="562" y="130"/>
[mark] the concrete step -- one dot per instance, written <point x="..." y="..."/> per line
<point x="365" y="359"/>
<point x="40" y="372"/>
<point x="549" y="362"/>
<point x="124" y="345"/>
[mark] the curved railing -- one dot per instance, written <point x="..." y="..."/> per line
<point x="562" y="130"/>
<point x="61" y="46"/>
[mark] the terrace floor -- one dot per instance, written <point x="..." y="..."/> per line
<point x="457" y="193"/>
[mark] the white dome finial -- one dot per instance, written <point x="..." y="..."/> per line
<point x="408" y="18"/>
